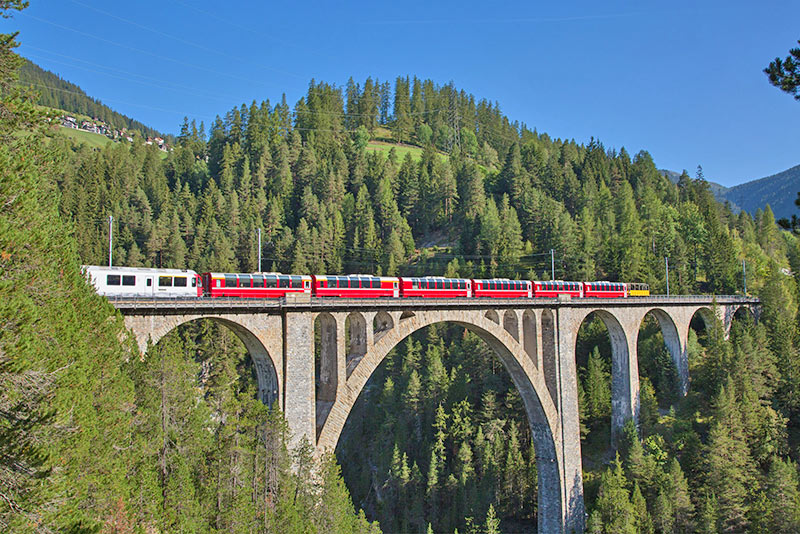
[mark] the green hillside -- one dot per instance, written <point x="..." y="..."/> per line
<point x="54" y="92"/>
<point x="92" y="139"/>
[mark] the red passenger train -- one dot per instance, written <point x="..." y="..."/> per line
<point x="273" y="285"/>
<point x="144" y="282"/>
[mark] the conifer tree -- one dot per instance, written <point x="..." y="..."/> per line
<point x="728" y="464"/>
<point x="613" y="510"/>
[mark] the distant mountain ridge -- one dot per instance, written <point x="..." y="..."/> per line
<point x="779" y="191"/>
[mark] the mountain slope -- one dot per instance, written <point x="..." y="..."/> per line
<point x="54" y="92"/>
<point x="778" y="190"/>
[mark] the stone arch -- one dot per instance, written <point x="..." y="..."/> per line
<point x="549" y="364"/>
<point x="355" y="327"/>
<point x="672" y="340"/>
<point x="381" y="324"/>
<point x="267" y="369"/>
<point x="326" y="352"/>
<point x="492" y="316"/>
<point x="529" y="340"/>
<point x="624" y="371"/>
<point x="510" y="323"/>
<point x="705" y="315"/>
<point x="744" y="313"/>
<point x="541" y="411"/>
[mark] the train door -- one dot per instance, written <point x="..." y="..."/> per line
<point x="396" y="288"/>
<point x="530" y="289"/>
<point x="150" y="288"/>
<point x="307" y="286"/>
<point x="469" y="288"/>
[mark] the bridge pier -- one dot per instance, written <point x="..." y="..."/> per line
<point x="299" y="399"/>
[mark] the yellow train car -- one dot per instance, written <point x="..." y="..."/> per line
<point x="638" y="290"/>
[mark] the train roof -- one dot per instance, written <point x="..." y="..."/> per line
<point x="135" y="270"/>
<point x="256" y="274"/>
<point x="382" y="278"/>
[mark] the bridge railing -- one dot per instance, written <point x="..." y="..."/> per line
<point x="133" y="303"/>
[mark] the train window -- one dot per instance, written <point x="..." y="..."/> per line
<point x="447" y="284"/>
<point x="149" y="282"/>
<point x="112" y="280"/>
<point x="283" y="281"/>
<point x="439" y="284"/>
<point x="128" y="280"/>
<point x="271" y="281"/>
<point x="165" y="281"/>
<point x="258" y="281"/>
<point x="297" y="281"/>
<point x="180" y="281"/>
<point x="194" y="282"/>
<point x="462" y="285"/>
<point x="230" y="280"/>
<point x="376" y="283"/>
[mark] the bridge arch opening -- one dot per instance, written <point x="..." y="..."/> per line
<point x="663" y="368"/>
<point x="326" y="361"/>
<point x="744" y="314"/>
<point x="355" y="328"/>
<point x="511" y="323"/>
<point x="435" y="406"/>
<point x="604" y="374"/>
<point x="263" y="363"/>
<point x="530" y="339"/>
<point x="381" y="324"/>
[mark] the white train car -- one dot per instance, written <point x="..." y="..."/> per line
<point x="143" y="282"/>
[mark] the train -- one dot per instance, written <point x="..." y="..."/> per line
<point x="185" y="283"/>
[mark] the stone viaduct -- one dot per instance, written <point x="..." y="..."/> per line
<point x="534" y="338"/>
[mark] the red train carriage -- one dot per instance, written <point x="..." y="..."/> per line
<point x="355" y="286"/>
<point x="502" y="288"/>
<point x="269" y="285"/>
<point x="608" y="290"/>
<point x="555" y="288"/>
<point x="435" y="287"/>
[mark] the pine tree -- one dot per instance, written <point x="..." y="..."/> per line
<point x="597" y="389"/>
<point x="492" y="522"/>
<point x="613" y="511"/>
<point x="644" y="525"/>
<point x="783" y="497"/>
<point x="728" y="463"/>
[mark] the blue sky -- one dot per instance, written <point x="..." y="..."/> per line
<point x="681" y="80"/>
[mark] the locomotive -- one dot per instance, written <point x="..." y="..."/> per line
<point x="143" y="282"/>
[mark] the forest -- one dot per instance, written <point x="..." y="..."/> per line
<point x="97" y="438"/>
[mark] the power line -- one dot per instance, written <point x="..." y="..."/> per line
<point x="170" y="36"/>
<point x="132" y="74"/>
<point x="145" y="52"/>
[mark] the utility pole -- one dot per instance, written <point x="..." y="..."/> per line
<point x="666" y="266"/>
<point x="744" y="276"/>
<point x="552" y="264"/>
<point x="259" y="250"/>
<point x="110" y="237"/>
